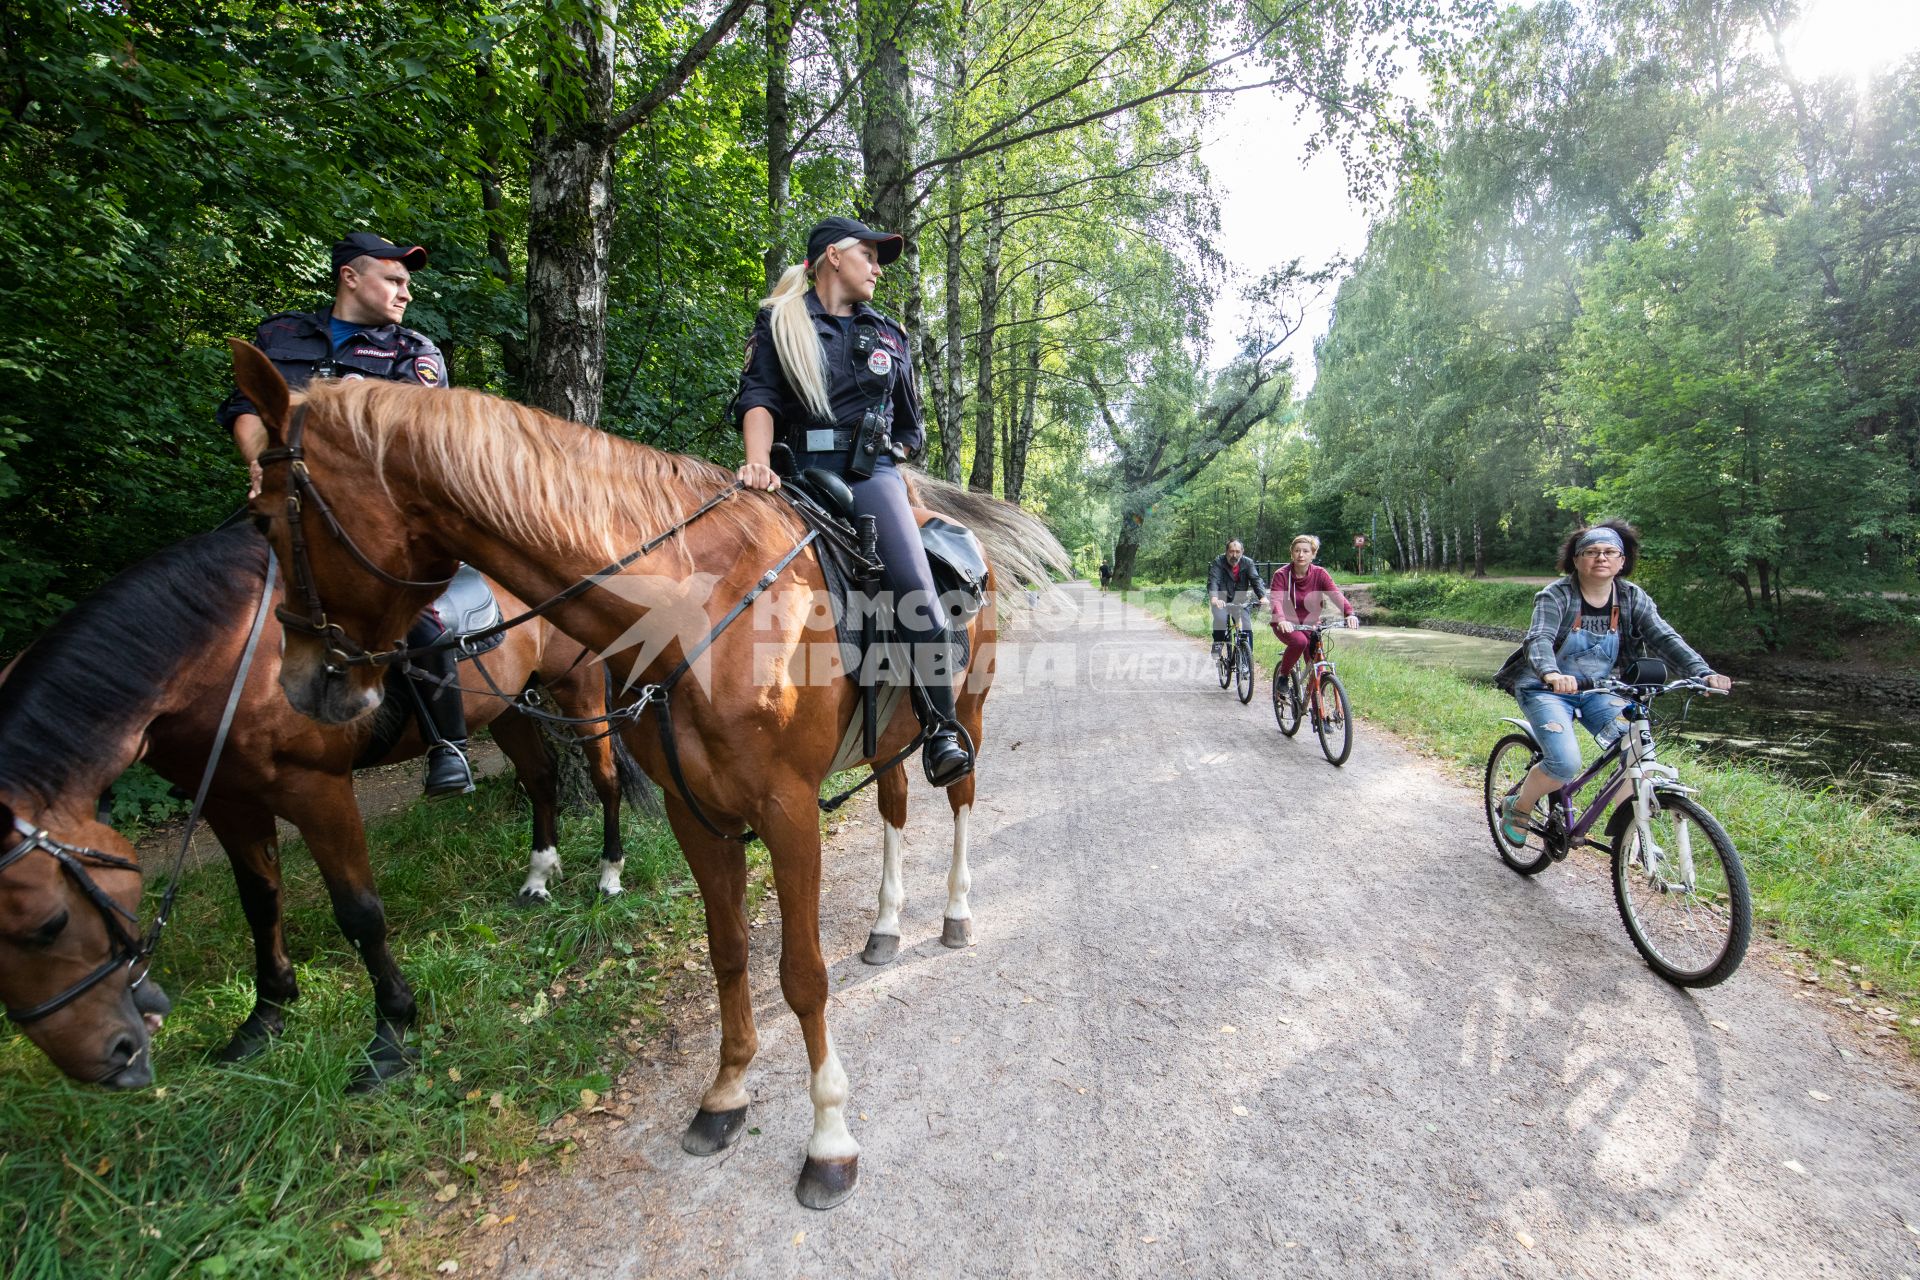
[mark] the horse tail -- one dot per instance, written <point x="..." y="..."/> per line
<point x="636" y="788"/>
<point x="1021" y="548"/>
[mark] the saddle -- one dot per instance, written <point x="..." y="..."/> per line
<point x="874" y="659"/>
<point x="465" y="607"/>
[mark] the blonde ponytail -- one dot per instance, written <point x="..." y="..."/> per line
<point x="793" y="338"/>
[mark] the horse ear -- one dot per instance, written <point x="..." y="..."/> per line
<point x="261" y="383"/>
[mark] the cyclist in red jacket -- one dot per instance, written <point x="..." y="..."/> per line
<point x="1300" y="589"/>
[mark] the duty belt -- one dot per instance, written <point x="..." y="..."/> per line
<point x="835" y="440"/>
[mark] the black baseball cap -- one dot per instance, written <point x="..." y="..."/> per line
<point x="833" y="230"/>
<point x="365" y="244"/>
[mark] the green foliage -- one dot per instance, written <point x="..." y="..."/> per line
<point x="1435" y="595"/>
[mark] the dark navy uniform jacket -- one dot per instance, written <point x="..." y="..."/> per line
<point x="855" y="383"/>
<point x="298" y="341"/>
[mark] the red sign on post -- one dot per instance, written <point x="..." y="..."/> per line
<point x="1359" y="539"/>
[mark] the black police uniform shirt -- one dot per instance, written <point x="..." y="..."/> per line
<point x="298" y="341"/>
<point x="854" y="383"/>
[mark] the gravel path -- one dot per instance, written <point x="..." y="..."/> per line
<point x="1231" y="1012"/>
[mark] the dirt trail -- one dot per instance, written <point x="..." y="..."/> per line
<point x="1231" y="1012"/>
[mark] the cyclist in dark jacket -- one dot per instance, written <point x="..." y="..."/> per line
<point x="1232" y="583"/>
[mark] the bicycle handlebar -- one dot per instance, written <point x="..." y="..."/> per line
<point x="1651" y="691"/>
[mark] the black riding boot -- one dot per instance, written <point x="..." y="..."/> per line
<point x="443" y="722"/>
<point x="946" y="757"/>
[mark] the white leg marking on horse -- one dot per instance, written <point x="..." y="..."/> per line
<point x="960" y="878"/>
<point x="610" y="877"/>
<point x="545" y="866"/>
<point x="831" y="1139"/>
<point x="893" y="893"/>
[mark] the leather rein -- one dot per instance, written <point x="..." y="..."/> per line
<point x="343" y="651"/>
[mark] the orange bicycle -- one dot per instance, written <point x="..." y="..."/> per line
<point x="1320" y="697"/>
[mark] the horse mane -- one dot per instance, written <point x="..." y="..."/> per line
<point x="532" y="476"/>
<point x="107" y="662"/>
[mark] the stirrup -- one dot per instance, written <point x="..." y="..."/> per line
<point x="442" y="780"/>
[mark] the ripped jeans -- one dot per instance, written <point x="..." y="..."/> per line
<point x="1552" y="715"/>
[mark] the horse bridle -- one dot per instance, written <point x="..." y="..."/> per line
<point x="342" y="650"/>
<point x="123" y="950"/>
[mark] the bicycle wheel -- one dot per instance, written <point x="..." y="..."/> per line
<point x="1243" y="671"/>
<point x="1225" y="662"/>
<point x="1511" y="760"/>
<point x="1685" y="902"/>
<point x="1286" y="701"/>
<point x="1335" y="725"/>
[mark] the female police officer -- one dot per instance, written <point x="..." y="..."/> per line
<point x="830" y="377"/>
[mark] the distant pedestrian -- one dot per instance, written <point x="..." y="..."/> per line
<point x="1106" y="574"/>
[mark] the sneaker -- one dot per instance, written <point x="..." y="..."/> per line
<point x="1511" y="830"/>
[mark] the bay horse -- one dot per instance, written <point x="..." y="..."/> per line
<point x="141" y="670"/>
<point x="542" y="505"/>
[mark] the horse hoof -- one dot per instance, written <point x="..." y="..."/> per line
<point x="956" y="933"/>
<point x="382" y="1065"/>
<point x="881" y="948"/>
<point x="826" y="1183"/>
<point x="251" y="1038"/>
<point x="712" y="1132"/>
<point x="524" y="899"/>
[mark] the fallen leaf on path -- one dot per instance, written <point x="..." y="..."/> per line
<point x="588" y="1097"/>
<point x="1526" y="1241"/>
<point x="1239" y="1110"/>
<point x="446" y="1193"/>
<point x="799" y="1237"/>
<point x="1285" y="1022"/>
<point x="1227" y="1028"/>
<point x="1718" y="1025"/>
<point x="490" y="1220"/>
<point x="453" y="1074"/>
<point x="1148" y="1239"/>
<point x="1818" y="1096"/>
<point x="1794" y="1165"/>
<point x="100" y="1170"/>
<point x="999" y="1157"/>
<point x="473" y="1095"/>
<point x="448" y="1267"/>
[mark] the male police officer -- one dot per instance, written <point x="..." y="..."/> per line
<point x="360" y="336"/>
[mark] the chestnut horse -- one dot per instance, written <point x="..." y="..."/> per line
<point x="417" y="482"/>
<point x="142" y="670"/>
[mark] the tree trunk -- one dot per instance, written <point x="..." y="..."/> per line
<point x="1479" y="551"/>
<point x="779" y="134"/>
<point x="570" y="228"/>
<point x="1125" y="549"/>
<point x="1399" y="547"/>
<point x="1022" y="436"/>
<point x="952" y="433"/>
<point x="981" y="479"/>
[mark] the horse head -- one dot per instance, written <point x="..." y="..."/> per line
<point x="70" y="973"/>
<point x="355" y="573"/>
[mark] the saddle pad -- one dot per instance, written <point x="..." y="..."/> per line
<point x="886" y="703"/>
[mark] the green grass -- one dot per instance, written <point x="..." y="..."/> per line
<point x="269" y="1170"/>
<point x="1832" y="874"/>
<point x="1412" y="597"/>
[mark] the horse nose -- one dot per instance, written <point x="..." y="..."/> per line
<point x="128" y="1066"/>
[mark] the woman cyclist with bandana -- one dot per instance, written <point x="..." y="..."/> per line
<point x="1586" y="627"/>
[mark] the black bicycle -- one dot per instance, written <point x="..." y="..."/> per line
<point x="1677" y="879"/>
<point x="1235" y="662"/>
<point x="1320" y="696"/>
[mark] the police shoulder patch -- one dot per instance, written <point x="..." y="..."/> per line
<point x="426" y="370"/>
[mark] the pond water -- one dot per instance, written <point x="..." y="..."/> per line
<point x="1803" y="732"/>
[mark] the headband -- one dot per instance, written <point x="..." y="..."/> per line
<point x="1592" y="536"/>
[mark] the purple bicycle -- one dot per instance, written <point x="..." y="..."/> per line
<point x="1677" y="879"/>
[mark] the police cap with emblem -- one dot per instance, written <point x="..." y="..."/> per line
<point x="832" y="231"/>
<point x="365" y="244"/>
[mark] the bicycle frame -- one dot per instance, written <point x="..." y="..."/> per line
<point x="1633" y="753"/>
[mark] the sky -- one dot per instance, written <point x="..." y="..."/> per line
<point x="1275" y="204"/>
